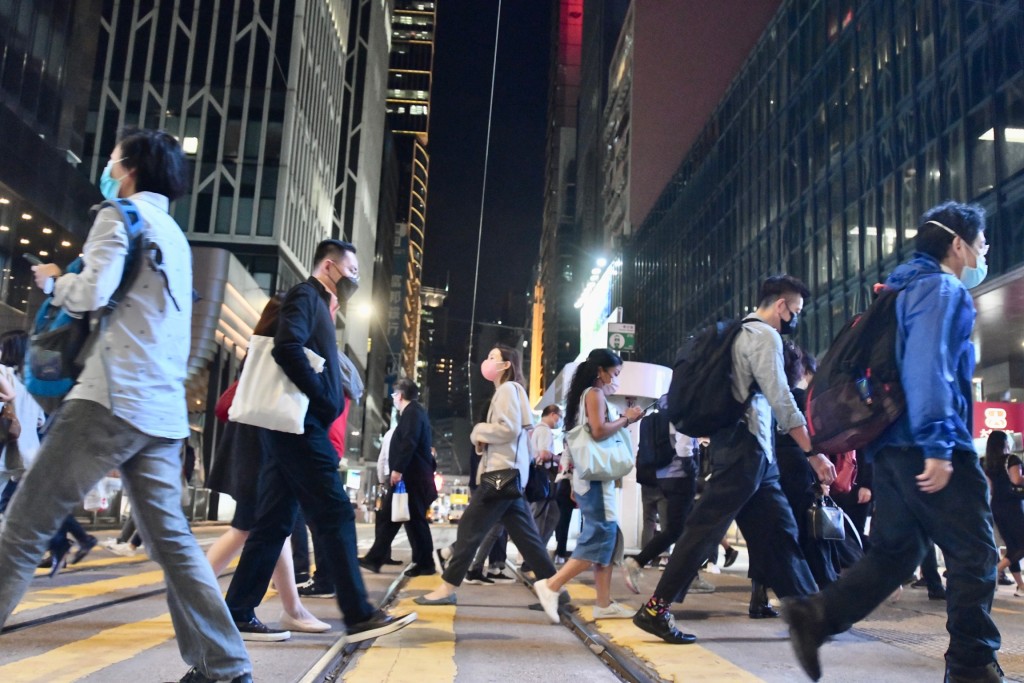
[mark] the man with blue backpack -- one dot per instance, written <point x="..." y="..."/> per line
<point x="928" y="484"/>
<point x="127" y="407"/>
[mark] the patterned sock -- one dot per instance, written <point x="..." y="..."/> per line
<point x="656" y="606"/>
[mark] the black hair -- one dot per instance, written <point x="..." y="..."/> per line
<point x="514" y="372"/>
<point x="553" y="408"/>
<point x="13" y="345"/>
<point x="810" y="362"/>
<point x="966" y="220"/>
<point x="995" y="458"/>
<point x="332" y="249"/>
<point x="585" y="376"/>
<point x="157" y="159"/>
<point x="778" y="286"/>
<point x="408" y="389"/>
<point x="793" y="362"/>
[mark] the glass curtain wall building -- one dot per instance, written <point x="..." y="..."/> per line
<point x="847" y="120"/>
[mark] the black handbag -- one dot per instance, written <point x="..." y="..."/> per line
<point x="501" y="484"/>
<point x="538" y="486"/>
<point x="825" y="520"/>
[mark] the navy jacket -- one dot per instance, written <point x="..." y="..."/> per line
<point x="410" y="453"/>
<point x="935" y="317"/>
<point x="305" y="322"/>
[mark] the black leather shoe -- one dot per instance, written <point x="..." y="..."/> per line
<point x="83" y="550"/>
<point x="194" y="675"/>
<point x="392" y="562"/>
<point x="58" y="560"/>
<point x="937" y="593"/>
<point x="662" y="625"/>
<point x="369" y="565"/>
<point x="806" y="619"/>
<point x="984" y="674"/>
<point x="759" y="607"/>
<point x="1005" y="580"/>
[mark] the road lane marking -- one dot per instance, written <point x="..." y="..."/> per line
<point x="424" y="649"/>
<point x="74" y="661"/>
<point x="690" y="663"/>
<point x="55" y="596"/>
<point x="97" y="564"/>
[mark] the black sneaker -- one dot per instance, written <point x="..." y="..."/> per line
<point x="369" y="565"/>
<point x="194" y="675"/>
<point x="662" y="625"/>
<point x="417" y="570"/>
<point x="257" y="631"/>
<point x="499" y="576"/>
<point x="380" y="624"/>
<point x="730" y="557"/>
<point x="477" y="578"/>
<point x="312" y="589"/>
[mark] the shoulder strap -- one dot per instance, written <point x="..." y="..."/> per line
<point x="134" y="228"/>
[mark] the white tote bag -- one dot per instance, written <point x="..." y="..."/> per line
<point x="265" y="396"/>
<point x="400" y="504"/>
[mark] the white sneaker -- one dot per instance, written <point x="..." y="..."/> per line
<point x="548" y="600"/>
<point x="713" y="568"/>
<point x="123" y="549"/>
<point x="109" y="542"/>
<point x="614" y="610"/>
<point x="308" y="625"/>
<point x="633" y="573"/>
<point x="699" y="585"/>
<point x="1019" y="593"/>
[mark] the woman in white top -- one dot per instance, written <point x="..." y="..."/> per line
<point x="594" y="380"/>
<point x="502" y="440"/>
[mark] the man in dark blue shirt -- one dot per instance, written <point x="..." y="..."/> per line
<point x="302" y="469"/>
<point x="928" y="484"/>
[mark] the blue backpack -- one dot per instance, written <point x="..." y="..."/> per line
<point x="59" y="344"/>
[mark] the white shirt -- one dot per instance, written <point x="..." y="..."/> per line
<point x="138" y="364"/>
<point x="383" y="468"/>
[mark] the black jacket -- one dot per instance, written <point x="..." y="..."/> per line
<point x="305" y="322"/>
<point x="410" y="453"/>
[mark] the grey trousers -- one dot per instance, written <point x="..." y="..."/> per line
<point x="85" y="442"/>
<point x="546" y="515"/>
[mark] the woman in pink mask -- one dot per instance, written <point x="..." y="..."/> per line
<point x="503" y="444"/>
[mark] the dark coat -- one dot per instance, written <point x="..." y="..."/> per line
<point x="410" y="454"/>
<point x="305" y="322"/>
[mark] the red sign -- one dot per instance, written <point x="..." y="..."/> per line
<point x="990" y="416"/>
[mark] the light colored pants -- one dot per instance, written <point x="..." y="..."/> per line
<point x="85" y="442"/>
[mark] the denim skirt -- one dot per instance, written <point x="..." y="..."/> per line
<point x="600" y="539"/>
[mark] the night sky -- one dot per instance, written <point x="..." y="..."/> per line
<point x="463" y="57"/>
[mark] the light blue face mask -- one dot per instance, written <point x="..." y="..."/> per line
<point x="970" y="276"/>
<point x="110" y="186"/>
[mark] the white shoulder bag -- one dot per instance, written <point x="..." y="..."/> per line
<point x="265" y="396"/>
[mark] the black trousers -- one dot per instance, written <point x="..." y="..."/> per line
<point x="563" y="496"/>
<point x="743" y="486"/>
<point x="301" y="469"/>
<point x="958" y="519"/>
<point x="679" y="493"/>
<point x="417" y="529"/>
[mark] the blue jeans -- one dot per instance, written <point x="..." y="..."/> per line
<point x="85" y="442"/>
<point x="301" y="469"/>
<point x="959" y="520"/>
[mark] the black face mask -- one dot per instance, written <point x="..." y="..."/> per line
<point x="347" y="286"/>
<point x="788" y="326"/>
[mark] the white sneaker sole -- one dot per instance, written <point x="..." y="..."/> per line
<point x="266" y="637"/>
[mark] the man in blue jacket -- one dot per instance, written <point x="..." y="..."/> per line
<point x="302" y="469"/>
<point x="928" y="484"/>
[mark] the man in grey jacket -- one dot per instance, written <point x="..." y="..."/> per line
<point x="744" y="482"/>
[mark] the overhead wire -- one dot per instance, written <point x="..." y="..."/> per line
<point x="480" y="229"/>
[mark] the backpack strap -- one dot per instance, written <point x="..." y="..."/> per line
<point x="139" y="251"/>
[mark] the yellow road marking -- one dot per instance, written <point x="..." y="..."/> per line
<point x="98" y="564"/>
<point x="424" y="648"/>
<point x="77" y="660"/>
<point x="692" y="663"/>
<point x="1003" y="610"/>
<point x="62" y="594"/>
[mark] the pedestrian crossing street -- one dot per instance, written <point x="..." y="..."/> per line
<point x="106" y="619"/>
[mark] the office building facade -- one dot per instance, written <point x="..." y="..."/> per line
<point x="408" y="115"/>
<point x="846" y="121"/>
